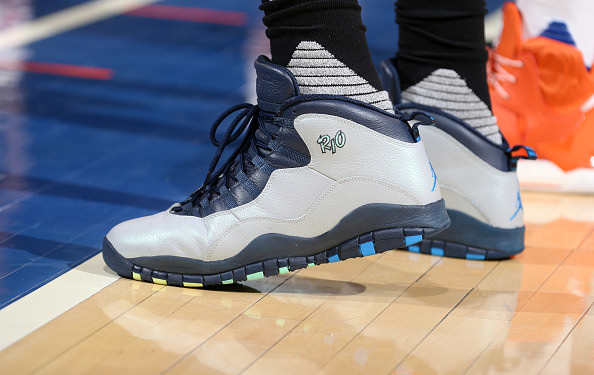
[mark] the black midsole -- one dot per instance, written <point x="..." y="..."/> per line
<point x="469" y="231"/>
<point x="366" y="219"/>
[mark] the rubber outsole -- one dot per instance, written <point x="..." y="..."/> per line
<point x="457" y="250"/>
<point x="472" y="239"/>
<point x="368" y="244"/>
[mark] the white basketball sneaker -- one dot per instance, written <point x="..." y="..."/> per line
<point x="317" y="179"/>
<point x="477" y="179"/>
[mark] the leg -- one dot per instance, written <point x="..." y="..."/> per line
<point x="321" y="176"/>
<point x="442" y="72"/>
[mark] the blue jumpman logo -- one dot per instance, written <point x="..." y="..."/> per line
<point x="518" y="207"/>
<point x="434" y="176"/>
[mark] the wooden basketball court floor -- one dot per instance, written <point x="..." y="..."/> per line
<point x="102" y="120"/>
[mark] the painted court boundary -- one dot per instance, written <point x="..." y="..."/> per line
<point x="53" y="299"/>
<point x="65" y="20"/>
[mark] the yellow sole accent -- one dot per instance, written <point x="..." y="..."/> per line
<point x="136" y="276"/>
<point x="159" y="281"/>
<point x="193" y="285"/>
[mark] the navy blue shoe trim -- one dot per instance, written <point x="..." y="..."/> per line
<point x="492" y="153"/>
<point x="472" y="239"/>
<point x="361" y="246"/>
<point x="495" y="155"/>
<point x="362" y="113"/>
<point x="366" y="219"/>
<point x="183" y="272"/>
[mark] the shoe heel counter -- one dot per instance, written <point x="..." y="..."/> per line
<point x="471" y="185"/>
<point x="341" y="149"/>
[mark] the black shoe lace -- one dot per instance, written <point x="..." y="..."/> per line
<point x="247" y="121"/>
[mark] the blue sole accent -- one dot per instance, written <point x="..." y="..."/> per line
<point x="437" y="251"/>
<point x="367" y="249"/>
<point x="452" y="249"/>
<point x="409" y="240"/>
<point x="468" y="231"/>
<point x="468" y="238"/>
<point x="475" y="257"/>
<point x="334" y="258"/>
<point x="361" y="246"/>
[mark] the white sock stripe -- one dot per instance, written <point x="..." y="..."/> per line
<point x="446" y="90"/>
<point x="317" y="71"/>
<point x="337" y="90"/>
<point x="332" y="81"/>
<point x="446" y="73"/>
<point x="446" y="81"/>
<point x="469" y="115"/>
<point x="482" y="122"/>
<point x="444" y="95"/>
<point x="496" y="138"/>
<point x="312" y="54"/>
<point x="309" y="45"/>
<point x="375" y="97"/>
<point x="308" y="71"/>
<point x="448" y="104"/>
<point x="386" y="105"/>
<point x="315" y="63"/>
<point x="435" y="86"/>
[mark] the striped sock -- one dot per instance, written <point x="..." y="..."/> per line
<point x="446" y="90"/>
<point x="317" y="71"/>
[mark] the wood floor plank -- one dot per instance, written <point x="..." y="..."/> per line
<point x="74" y="326"/>
<point x="452" y="347"/>
<point x="234" y="347"/>
<point x="526" y="346"/>
<point x="526" y="272"/>
<point x="154" y="332"/>
<point x="121" y="343"/>
<point x="588" y="244"/>
<point x="457" y="273"/>
<point x="343" y="315"/>
<point x="575" y="276"/>
<point x="576" y="354"/>
<point x="560" y="234"/>
<point x="398" y="312"/>
<point x="318" y="338"/>
<point x="396" y="331"/>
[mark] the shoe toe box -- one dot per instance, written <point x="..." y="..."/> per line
<point x="162" y="234"/>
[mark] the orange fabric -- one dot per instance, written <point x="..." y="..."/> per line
<point x="538" y="88"/>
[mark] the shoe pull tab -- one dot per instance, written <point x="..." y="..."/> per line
<point x="513" y="159"/>
<point x="426" y="119"/>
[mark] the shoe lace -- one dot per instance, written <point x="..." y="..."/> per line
<point x="528" y="154"/>
<point x="247" y="121"/>
<point x="498" y="73"/>
<point x="250" y="119"/>
<point x="418" y="118"/>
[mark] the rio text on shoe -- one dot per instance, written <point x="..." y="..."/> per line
<point x="542" y="95"/>
<point x="317" y="179"/>
<point x="478" y="183"/>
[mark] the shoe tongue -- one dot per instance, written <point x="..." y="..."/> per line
<point x="510" y="40"/>
<point x="274" y="84"/>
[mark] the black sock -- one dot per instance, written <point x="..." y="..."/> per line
<point x="323" y="43"/>
<point x="445" y="34"/>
